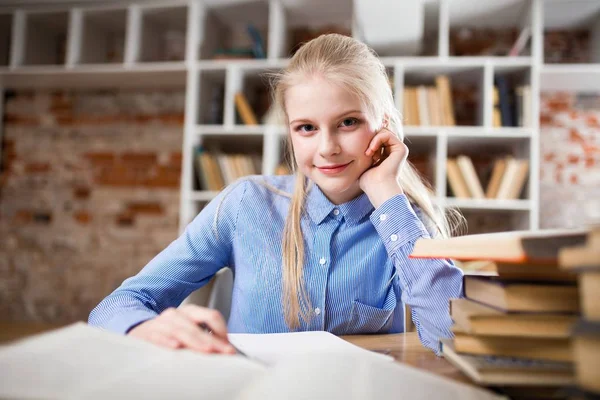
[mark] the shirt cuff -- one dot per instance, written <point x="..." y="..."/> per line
<point x="123" y="323"/>
<point x="397" y="224"/>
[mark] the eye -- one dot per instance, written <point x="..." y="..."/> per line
<point x="349" y="122"/>
<point x="305" y="128"/>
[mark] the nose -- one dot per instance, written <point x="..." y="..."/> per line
<point x="328" y="143"/>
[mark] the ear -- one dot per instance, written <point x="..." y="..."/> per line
<point x="386" y="122"/>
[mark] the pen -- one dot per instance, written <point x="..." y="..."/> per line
<point x="207" y="329"/>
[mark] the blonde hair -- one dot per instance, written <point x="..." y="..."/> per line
<point x="355" y="66"/>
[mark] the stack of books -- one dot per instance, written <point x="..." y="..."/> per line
<point x="514" y="326"/>
<point x="585" y="262"/>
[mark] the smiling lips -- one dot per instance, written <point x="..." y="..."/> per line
<point x="333" y="169"/>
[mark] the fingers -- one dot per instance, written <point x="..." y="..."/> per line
<point x="186" y="330"/>
<point x="212" y="318"/>
<point x="386" y="139"/>
<point x="174" y="328"/>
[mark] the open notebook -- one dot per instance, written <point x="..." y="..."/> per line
<point x="80" y="361"/>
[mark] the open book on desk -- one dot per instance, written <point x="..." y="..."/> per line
<point x="80" y="361"/>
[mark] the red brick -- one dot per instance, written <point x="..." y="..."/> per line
<point x="83" y="217"/>
<point x="139" y="158"/>
<point x="574" y="180"/>
<point x="146" y="208"/>
<point x="81" y="192"/>
<point x="100" y="158"/>
<point x="176" y="159"/>
<point x="23" y="216"/>
<point x="549" y="157"/>
<point x="125" y="219"/>
<point x="175" y="119"/>
<point x="37" y="167"/>
<point x="10" y="119"/>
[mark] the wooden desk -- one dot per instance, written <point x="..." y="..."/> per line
<point x="406" y="348"/>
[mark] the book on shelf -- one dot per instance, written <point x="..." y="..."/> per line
<point x="429" y="105"/>
<point x="456" y="180"/>
<point x="496" y="114"/>
<point x="467" y="170"/>
<point x="442" y="83"/>
<point x="476" y="318"/>
<point x="244" y="110"/>
<point x="521" y="42"/>
<point x="513" y="179"/>
<point x="522" y="296"/>
<point x="208" y="171"/>
<point x="535" y="247"/>
<point x="506" y="101"/>
<point x="497" y="371"/>
<point x="80" y="361"/>
<point x="491" y="191"/>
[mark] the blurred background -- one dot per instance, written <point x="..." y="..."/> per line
<point x="121" y="120"/>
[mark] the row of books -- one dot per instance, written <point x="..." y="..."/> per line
<point x="214" y="171"/>
<point x="512" y="107"/>
<point x="522" y="324"/>
<point x="506" y="181"/>
<point x="429" y="105"/>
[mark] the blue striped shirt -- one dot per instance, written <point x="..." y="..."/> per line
<point x="357" y="271"/>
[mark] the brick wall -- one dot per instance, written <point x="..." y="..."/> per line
<point x="570" y="159"/>
<point x="89" y="193"/>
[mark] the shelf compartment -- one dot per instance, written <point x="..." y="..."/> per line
<point x="211" y="97"/>
<point x="423" y="155"/>
<point x="230" y="159"/>
<point x="486" y="154"/>
<point x="488" y="31"/>
<point x="295" y="24"/>
<point x="163" y="34"/>
<point x="466" y="94"/>
<point x="226" y="32"/>
<point x="512" y="98"/>
<point x="103" y="36"/>
<point x="46" y="38"/>
<point x="5" y="38"/>
<point x="256" y="90"/>
<point x="571" y="32"/>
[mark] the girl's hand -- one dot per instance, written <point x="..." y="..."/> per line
<point x="179" y="328"/>
<point x="389" y="155"/>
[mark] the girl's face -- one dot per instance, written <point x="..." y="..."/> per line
<point x="330" y="133"/>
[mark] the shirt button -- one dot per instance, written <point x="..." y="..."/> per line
<point x="393" y="238"/>
<point x="383" y="217"/>
<point x="336" y="211"/>
<point x="322" y="261"/>
<point x="317" y="311"/>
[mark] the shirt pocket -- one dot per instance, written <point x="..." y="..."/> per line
<point x="368" y="319"/>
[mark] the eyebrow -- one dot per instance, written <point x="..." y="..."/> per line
<point x="338" y="117"/>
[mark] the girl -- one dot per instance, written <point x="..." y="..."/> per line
<point x="324" y="249"/>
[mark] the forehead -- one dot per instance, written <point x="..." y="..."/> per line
<point x="319" y="98"/>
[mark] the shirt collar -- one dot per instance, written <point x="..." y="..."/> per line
<point x="319" y="207"/>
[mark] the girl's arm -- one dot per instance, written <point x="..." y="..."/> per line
<point x="185" y="265"/>
<point x="427" y="285"/>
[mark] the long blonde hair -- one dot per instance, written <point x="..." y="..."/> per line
<point x="355" y="66"/>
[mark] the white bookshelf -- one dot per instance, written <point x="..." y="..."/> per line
<point x="170" y="43"/>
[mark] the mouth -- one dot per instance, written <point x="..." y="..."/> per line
<point x="333" y="169"/>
